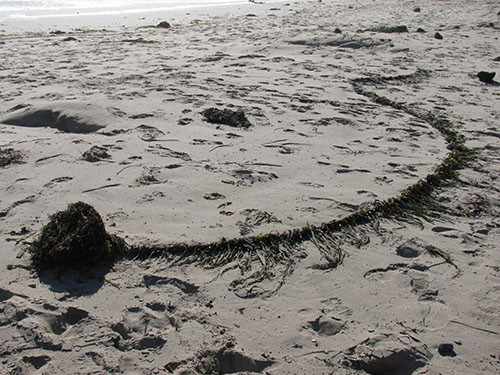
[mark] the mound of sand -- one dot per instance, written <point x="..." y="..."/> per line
<point x="68" y="117"/>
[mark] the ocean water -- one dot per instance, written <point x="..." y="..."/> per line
<point x="35" y="9"/>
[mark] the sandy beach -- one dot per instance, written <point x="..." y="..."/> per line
<point x="303" y="187"/>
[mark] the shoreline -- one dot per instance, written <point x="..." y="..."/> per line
<point x="115" y="21"/>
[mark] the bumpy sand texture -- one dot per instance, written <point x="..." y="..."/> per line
<point x="115" y="119"/>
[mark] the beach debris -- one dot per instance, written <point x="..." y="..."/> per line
<point x="446" y="350"/>
<point x="185" y="121"/>
<point x="139" y="41"/>
<point x="339" y="42"/>
<point x="150" y="176"/>
<point x="75" y="238"/>
<point x="255" y="218"/>
<point x="438" y="36"/>
<point x="67" y="117"/>
<point x="166" y="152"/>
<point x="226" y="116"/>
<point x="164" y="25"/>
<point x="141" y="116"/>
<point x="96" y="153"/>
<point x="390" y="29"/>
<point x="247" y="177"/>
<point x="486" y="77"/>
<point x="213" y="196"/>
<point x="10" y="156"/>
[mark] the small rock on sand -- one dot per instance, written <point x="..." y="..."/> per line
<point x="486" y="77"/>
<point x="164" y="25"/>
<point x="446" y="350"/>
<point x="408" y="250"/>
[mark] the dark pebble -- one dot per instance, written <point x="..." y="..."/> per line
<point x="438" y="36"/>
<point x="486" y="77"/>
<point x="337" y="31"/>
<point x="417" y="10"/>
<point x="420" y="30"/>
<point x="408" y="251"/>
<point x="164" y="25"/>
<point x="446" y="349"/>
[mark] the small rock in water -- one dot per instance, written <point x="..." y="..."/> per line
<point x="420" y="30"/>
<point x="337" y="31"/>
<point x="496" y="58"/>
<point x="417" y="10"/>
<point x="486" y="77"/>
<point x="438" y="36"/>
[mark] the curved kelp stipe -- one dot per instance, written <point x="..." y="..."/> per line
<point x="278" y="253"/>
<point x="273" y="256"/>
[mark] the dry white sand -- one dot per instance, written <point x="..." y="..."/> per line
<point x="316" y="151"/>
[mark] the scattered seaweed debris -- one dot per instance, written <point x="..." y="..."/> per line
<point x="95" y="154"/>
<point x="10" y="156"/>
<point x="390" y="29"/>
<point x="139" y="41"/>
<point x="229" y="117"/>
<point x="75" y="238"/>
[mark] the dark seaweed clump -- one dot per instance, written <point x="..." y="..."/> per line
<point x="9" y="156"/>
<point x="229" y="117"/>
<point x="75" y="238"/>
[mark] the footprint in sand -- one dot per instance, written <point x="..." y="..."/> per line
<point x="144" y="328"/>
